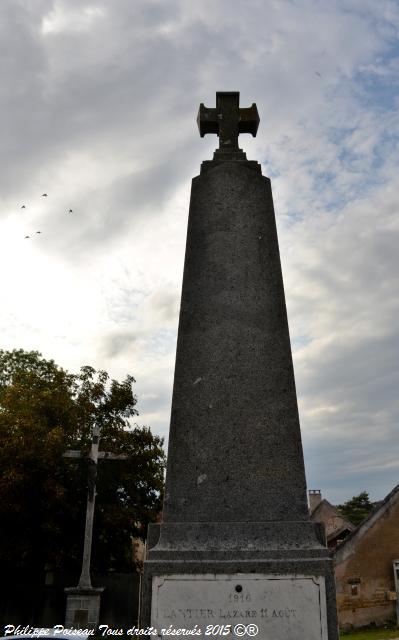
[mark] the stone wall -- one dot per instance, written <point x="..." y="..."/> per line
<point x="364" y="572"/>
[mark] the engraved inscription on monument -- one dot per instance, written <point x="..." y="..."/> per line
<point x="283" y="607"/>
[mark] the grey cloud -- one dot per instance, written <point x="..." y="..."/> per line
<point x="64" y="104"/>
<point x="165" y="304"/>
<point x="117" y="343"/>
<point x="102" y="216"/>
<point x="155" y="403"/>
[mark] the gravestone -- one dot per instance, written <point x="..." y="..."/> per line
<point x="236" y="546"/>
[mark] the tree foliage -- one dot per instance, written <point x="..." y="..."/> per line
<point x="44" y="410"/>
<point x="357" y="508"/>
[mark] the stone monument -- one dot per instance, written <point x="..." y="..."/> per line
<point x="236" y="547"/>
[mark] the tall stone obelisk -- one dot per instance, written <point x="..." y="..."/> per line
<point x="236" y="546"/>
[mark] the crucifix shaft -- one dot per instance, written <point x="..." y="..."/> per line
<point x="85" y="580"/>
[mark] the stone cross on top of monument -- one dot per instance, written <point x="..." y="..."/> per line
<point x="228" y="120"/>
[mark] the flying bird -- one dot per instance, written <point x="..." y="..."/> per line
<point x="26" y="237"/>
<point x="23" y="207"/>
<point x="44" y="195"/>
<point x="318" y="74"/>
<point x="38" y="231"/>
<point x="70" y="211"/>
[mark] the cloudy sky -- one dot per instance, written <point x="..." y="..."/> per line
<point x="98" y="107"/>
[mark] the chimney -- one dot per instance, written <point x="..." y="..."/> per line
<point x="314" y="499"/>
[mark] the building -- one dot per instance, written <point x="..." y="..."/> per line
<point x="364" y="567"/>
<point x="337" y="528"/>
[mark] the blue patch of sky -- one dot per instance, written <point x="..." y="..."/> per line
<point x="300" y="341"/>
<point x="328" y="207"/>
<point x="163" y="341"/>
<point x="290" y="219"/>
<point x="376" y="90"/>
<point x="349" y="162"/>
<point x="385" y="148"/>
<point x="269" y="170"/>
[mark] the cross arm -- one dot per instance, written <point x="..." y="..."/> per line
<point x="106" y="455"/>
<point x="73" y="454"/>
<point x="207" y="120"/>
<point x="113" y="456"/>
<point x="248" y="121"/>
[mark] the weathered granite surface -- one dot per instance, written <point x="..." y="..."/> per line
<point x="235" y="450"/>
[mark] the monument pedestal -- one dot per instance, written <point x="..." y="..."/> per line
<point x="277" y="576"/>
<point x="83" y="607"/>
<point x="236" y="545"/>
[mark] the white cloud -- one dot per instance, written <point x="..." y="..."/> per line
<point x="63" y="18"/>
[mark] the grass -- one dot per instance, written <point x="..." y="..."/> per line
<point x="371" y="634"/>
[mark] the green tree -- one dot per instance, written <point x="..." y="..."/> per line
<point x="357" y="508"/>
<point x="45" y="410"/>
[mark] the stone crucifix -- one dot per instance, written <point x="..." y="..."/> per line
<point x="92" y="458"/>
<point x="228" y="120"/>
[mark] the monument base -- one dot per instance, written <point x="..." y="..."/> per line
<point x="271" y="606"/>
<point x="83" y="607"/>
<point x="280" y="585"/>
